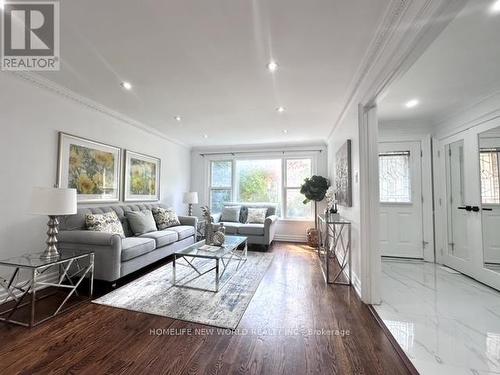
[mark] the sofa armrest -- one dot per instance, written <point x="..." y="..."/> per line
<point x="107" y="249"/>
<point x="216" y="217"/>
<point x="189" y="220"/>
<point x="88" y="237"/>
<point x="270" y="228"/>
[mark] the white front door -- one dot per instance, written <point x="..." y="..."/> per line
<point x="400" y="173"/>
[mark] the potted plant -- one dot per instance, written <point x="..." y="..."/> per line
<point x="314" y="189"/>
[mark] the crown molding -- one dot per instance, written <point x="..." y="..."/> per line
<point x="408" y="28"/>
<point x="48" y="85"/>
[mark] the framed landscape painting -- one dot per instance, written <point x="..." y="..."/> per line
<point x="90" y="167"/>
<point x="142" y="177"/>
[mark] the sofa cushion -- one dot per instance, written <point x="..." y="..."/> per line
<point x="165" y="217"/>
<point x="252" y="229"/>
<point x="133" y="247"/>
<point x="232" y="228"/>
<point x="231" y="214"/>
<point x="162" y="237"/>
<point x="184" y="231"/>
<point x="141" y="222"/>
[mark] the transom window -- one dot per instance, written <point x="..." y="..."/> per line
<point x="394" y="172"/>
<point x="273" y="180"/>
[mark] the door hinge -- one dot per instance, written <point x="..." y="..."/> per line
<point x="449" y="152"/>
<point x="422" y="199"/>
<point x="421" y="154"/>
<point x="440" y="202"/>
<point x="439" y="154"/>
<point x="424" y="244"/>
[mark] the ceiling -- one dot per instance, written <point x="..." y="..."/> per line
<point x="206" y="62"/>
<point x="460" y="68"/>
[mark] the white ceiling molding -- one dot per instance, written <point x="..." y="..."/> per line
<point x="65" y="93"/>
<point x="395" y="48"/>
<point x="484" y="110"/>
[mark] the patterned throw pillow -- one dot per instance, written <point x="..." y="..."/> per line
<point x="231" y="214"/>
<point x="165" y="217"/>
<point x="107" y="222"/>
<point x="256" y="215"/>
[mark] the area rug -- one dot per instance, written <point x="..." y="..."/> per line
<point x="155" y="294"/>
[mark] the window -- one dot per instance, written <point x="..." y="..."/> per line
<point x="296" y="171"/>
<point x="490" y="176"/>
<point x="262" y="180"/>
<point x="394" y="172"/>
<point x="258" y="180"/>
<point x="221" y="182"/>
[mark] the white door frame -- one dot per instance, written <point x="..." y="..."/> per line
<point x="390" y="55"/>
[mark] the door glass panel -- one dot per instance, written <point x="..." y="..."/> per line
<point x="489" y="167"/>
<point x="394" y="177"/>
<point x="458" y="238"/>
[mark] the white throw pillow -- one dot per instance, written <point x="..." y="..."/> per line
<point x="256" y="215"/>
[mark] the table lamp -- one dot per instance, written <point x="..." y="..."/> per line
<point x="52" y="202"/>
<point x="190" y="198"/>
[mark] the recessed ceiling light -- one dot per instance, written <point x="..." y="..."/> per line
<point x="126" y="85"/>
<point x="280" y="109"/>
<point x="412" y="103"/>
<point x="285" y="131"/>
<point x="178" y="118"/>
<point x="495" y="7"/>
<point x="272" y="66"/>
<point x="205" y="136"/>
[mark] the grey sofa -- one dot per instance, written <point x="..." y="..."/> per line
<point x="116" y="257"/>
<point x="262" y="234"/>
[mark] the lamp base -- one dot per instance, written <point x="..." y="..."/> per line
<point x="52" y="231"/>
<point x="190" y="209"/>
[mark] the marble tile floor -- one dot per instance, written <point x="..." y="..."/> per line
<point x="445" y="322"/>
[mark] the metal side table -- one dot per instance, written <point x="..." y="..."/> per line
<point x="70" y="273"/>
<point x="334" y="245"/>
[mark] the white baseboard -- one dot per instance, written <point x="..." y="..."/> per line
<point x="46" y="278"/>
<point x="291" y="238"/>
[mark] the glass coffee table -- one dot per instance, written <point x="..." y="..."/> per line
<point x="222" y="256"/>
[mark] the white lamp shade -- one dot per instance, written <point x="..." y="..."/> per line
<point x="53" y="201"/>
<point x="191" y="197"/>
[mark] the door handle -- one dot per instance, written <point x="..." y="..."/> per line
<point x="466" y="208"/>
<point x="487" y="209"/>
<point x="475" y="208"/>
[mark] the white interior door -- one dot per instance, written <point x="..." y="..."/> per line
<point x="400" y="174"/>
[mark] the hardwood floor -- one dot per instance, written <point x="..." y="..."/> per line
<point x="291" y="300"/>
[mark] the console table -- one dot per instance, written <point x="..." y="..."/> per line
<point x="334" y="249"/>
<point x="72" y="268"/>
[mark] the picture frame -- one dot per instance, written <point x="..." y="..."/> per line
<point x="92" y="168"/>
<point x="343" y="175"/>
<point x="141" y="182"/>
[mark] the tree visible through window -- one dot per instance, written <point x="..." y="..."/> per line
<point x="394" y="172"/>
<point x="262" y="181"/>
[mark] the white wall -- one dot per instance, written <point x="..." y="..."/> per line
<point x="287" y="230"/>
<point x="30" y="118"/>
<point x="348" y="129"/>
